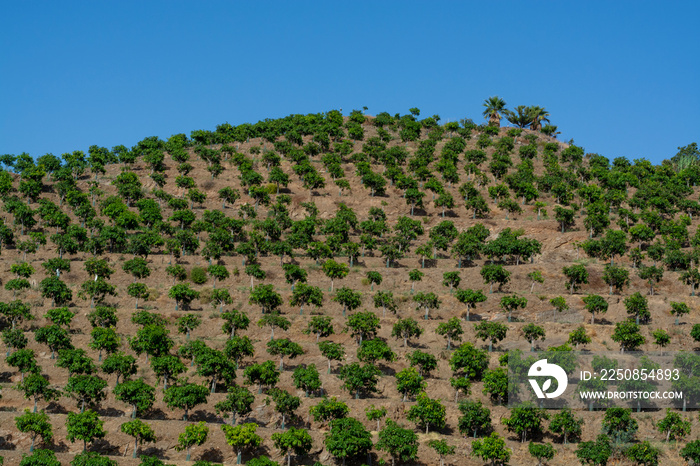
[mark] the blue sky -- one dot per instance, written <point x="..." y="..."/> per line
<point x="620" y="78"/>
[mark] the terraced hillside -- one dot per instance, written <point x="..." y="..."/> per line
<point x="190" y="254"/>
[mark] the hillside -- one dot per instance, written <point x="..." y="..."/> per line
<point x="323" y="187"/>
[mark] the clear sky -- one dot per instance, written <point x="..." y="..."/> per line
<point x="621" y="78"/>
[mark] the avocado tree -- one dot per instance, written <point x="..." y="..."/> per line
<point x="679" y="309"/>
<point x="566" y="424"/>
<point x="401" y="444"/>
<point x="451" y="330"/>
<point x="306" y="294"/>
<point x="86" y="426"/>
<point x="36" y="425"/>
<point x="627" y="335"/>
<point x="405" y="329"/>
<point x="238" y="402"/>
<point x="541" y="451"/>
<point x="348" y="439"/>
<point x="637" y="306"/>
<point x="284" y="347"/>
<point x="427" y="412"/>
<point x="595" y="304"/>
<point x="495" y="273"/>
<point x="183" y="295"/>
<point x="512" y="303"/>
<point x="194" y="435"/>
<point x="297" y="441"/>
<point x="525" y="420"/>
<point x="492" y="448"/>
<point x="266" y="297"/>
<point x="533" y="332"/>
<point x="470" y="298"/>
<point x="576" y="275"/>
<point x="332" y="352"/>
<point x="136" y="393"/>
<point x="242" y="438"/>
<point x="185" y="397"/>
<point x="274" y="320"/>
<point x="141" y="432"/>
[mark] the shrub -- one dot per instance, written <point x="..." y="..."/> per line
<point x="198" y="275"/>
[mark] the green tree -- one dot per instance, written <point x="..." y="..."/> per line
<point x="167" y="367"/>
<point x="238" y="402"/>
<point x="541" y="451"/>
<point x="409" y="382"/>
<point x="322" y="326"/>
<point x="266" y="297"/>
<point x="427" y="301"/>
<point x="349" y="299"/>
<point x="104" y="339"/>
<point x="234" y="320"/>
<point x="652" y="275"/>
<point x="306" y="378"/>
<point x="566" y="424"/>
<point x="679" y="309"/>
<point x="532" y="333"/>
<point x="348" y="439"/>
<point x="674" y="426"/>
<point x="284" y="347"/>
<point x="121" y="364"/>
<point x="374" y="350"/>
<point x="525" y="419"/>
<point x="86" y="389"/>
<point x="691" y="452"/>
<point x="153" y="340"/>
<point x="36" y="425"/>
<point x="136" y="393"/>
<point x="442" y="448"/>
<point x="36" y="386"/>
<point x="637" y="306"/>
<point x="595" y="304"/>
<point x="579" y="336"/>
<point x="187" y="323"/>
<point x="470" y="298"/>
<point x="285" y="403"/>
<point x="293" y="440"/>
<point x="492" y="448"/>
<point x="85" y="426"/>
<point x="399" y="443"/>
<point x="495" y="273"/>
<point x="512" y="303"/>
<point x="334" y="270"/>
<point x="491" y="331"/>
<point x="239" y="347"/>
<point x="644" y="453"/>
<point x="328" y="409"/>
<point x="427" y="412"/>
<point x="183" y="295"/>
<point x="24" y="360"/>
<point x="619" y="426"/>
<point x="306" y="294"/>
<point x="194" y="435"/>
<point x="242" y="438"/>
<point x="141" y="432"/>
<point x="496" y="384"/>
<point x="331" y="351"/>
<point x="274" y="320"/>
<point x="615" y="277"/>
<point x="185" y="397"/>
<point x="405" y="329"/>
<point x="451" y="330"/>
<point x="214" y="365"/>
<point x="137" y="291"/>
<point x="576" y="276"/>
<point x="262" y="374"/>
<point x="359" y="379"/>
<point x="40" y="458"/>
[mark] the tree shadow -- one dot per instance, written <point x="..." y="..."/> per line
<point x="110" y="412"/>
<point x="212" y="455"/>
<point x="103" y="446"/>
<point x="55" y="408"/>
<point x="202" y="415"/>
<point x="5" y="377"/>
<point x="151" y="451"/>
<point x="6" y="443"/>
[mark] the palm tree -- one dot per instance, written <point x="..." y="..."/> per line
<point x="494" y="105"/>
<point x="538" y="115"/>
<point x="520" y="118"/>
